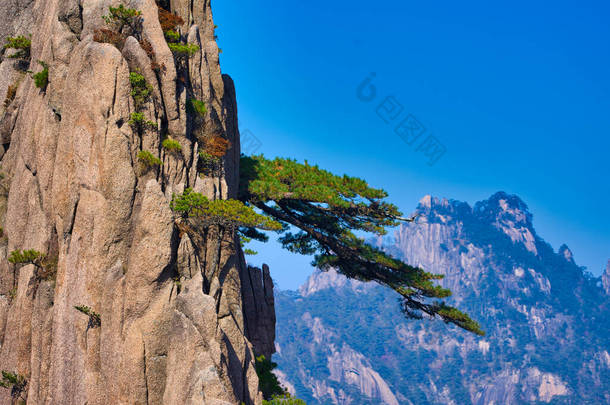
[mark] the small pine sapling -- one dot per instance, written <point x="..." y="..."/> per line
<point x="139" y="123"/>
<point x="195" y="106"/>
<point x="41" y="79"/>
<point x="268" y="383"/>
<point x="183" y="51"/>
<point x="148" y="160"/>
<point x="94" y="318"/>
<point x="15" y="382"/>
<point x="140" y="89"/>
<point x="122" y="17"/>
<point x="46" y="267"/>
<point x="285" y="399"/>
<point x="208" y="164"/>
<point x="21" y="45"/>
<point x="172" y="146"/>
<point x="24" y="257"/>
<point x="172" y="36"/>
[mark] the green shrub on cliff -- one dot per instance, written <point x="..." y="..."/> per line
<point x="171" y="145"/>
<point x="94" y="318"/>
<point x="230" y="214"/>
<point x="268" y="383"/>
<point x="41" y="79"/>
<point x="182" y="51"/>
<point x="140" y="89"/>
<point x="206" y="159"/>
<point x="46" y="267"/>
<point x="28" y="256"/>
<point x="139" y="123"/>
<point x="172" y="36"/>
<point x="208" y="164"/>
<point x="15" y="382"/>
<point x="148" y="160"/>
<point x="22" y="46"/>
<point x="285" y="399"/>
<point x="195" y="106"/>
<point x="121" y="17"/>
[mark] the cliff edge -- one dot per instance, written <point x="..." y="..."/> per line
<point x="176" y="318"/>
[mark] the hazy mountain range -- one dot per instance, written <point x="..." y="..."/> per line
<point x="547" y="320"/>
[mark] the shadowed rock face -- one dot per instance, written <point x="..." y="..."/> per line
<point x="76" y="191"/>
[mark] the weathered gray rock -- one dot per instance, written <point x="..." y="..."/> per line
<point x="175" y="323"/>
<point x="259" y="309"/>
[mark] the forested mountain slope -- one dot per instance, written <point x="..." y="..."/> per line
<point x="546" y="319"/>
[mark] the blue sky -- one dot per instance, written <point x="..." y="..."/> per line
<point x="518" y="95"/>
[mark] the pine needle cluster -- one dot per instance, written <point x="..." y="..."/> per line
<point x="95" y="319"/>
<point x="13" y="381"/>
<point x="229" y="214"/>
<point x="21" y="45"/>
<point x="328" y="210"/>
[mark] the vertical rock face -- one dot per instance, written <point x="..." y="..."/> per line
<point x="259" y="309"/>
<point x="178" y="320"/>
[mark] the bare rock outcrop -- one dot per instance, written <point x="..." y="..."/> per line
<point x="259" y="309"/>
<point x="179" y="320"/>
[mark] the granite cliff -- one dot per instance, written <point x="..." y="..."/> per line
<point x="178" y="321"/>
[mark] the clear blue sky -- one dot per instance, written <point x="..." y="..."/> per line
<point x="518" y="94"/>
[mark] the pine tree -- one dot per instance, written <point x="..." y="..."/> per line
<point x="328" y="210"/>
<point x="217" y="220"/>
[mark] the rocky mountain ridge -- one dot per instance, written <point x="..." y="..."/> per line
<point x="344" y="342"/>
<point x="162" y="317"/>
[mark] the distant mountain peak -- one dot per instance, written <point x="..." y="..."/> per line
<point x="505" y="207"/>
<point x="546" y="320"/>
<point x="321" y="280"/>
<point x="428" y="202"/>
<point x="506" y="212"/>
<point x="606" y="278"/>
<point x="566" y="253"/>
<point x="442" y="209"/>
<point x="511" y="215"/>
